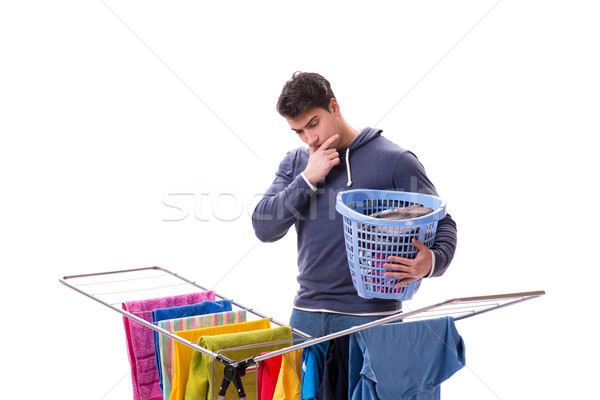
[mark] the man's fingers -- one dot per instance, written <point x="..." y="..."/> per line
<point x="395" y="267"/>
<point x="398" y="268"/>
<point x="333" y="156"/>
<point x="325" y="145"/>
<point x="400" y="274"/>
<point x="401" y="260"/>
<point x="403" y="282"/>
<point x="419" y="245"/>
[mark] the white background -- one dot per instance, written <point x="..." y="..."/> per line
<point x="110" y="111"/>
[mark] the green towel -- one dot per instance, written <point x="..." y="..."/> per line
<point x="200" y="386"/>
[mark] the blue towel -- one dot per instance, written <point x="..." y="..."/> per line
<point x="313" y="362"/>
<point x="161" y="314"/>
<point x="404" y="360"/>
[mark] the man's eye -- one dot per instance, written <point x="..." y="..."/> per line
<point x="314" y="124"/>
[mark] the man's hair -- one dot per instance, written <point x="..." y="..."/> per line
<point x="305" y="91"/>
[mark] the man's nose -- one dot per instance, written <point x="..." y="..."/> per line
<point x="312" y="139"/>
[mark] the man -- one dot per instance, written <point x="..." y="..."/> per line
<point x="303" y="194"/>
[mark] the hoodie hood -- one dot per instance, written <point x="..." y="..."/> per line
<point x="364" y="136"/>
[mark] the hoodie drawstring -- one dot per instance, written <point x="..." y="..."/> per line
<point x="348" y="167"/>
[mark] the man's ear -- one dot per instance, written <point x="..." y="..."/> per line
<point x="334" y="107"/>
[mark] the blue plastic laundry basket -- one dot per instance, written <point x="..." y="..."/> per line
<point x="369" y="241"/>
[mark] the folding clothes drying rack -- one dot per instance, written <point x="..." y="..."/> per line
<point x="234" y="370"/>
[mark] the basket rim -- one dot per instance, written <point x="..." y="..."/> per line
<point x="346" y="211"/>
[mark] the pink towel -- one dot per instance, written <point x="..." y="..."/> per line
<point x="140" y="342"/>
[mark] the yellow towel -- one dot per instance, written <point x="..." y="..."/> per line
<point x="200" y="386"/>
<point x="289" y="381"/>
<point x="183" y="353"/>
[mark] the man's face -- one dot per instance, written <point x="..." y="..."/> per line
<point x="316" y="125"/>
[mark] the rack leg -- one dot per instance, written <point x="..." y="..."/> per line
<point x="233" y="373"/>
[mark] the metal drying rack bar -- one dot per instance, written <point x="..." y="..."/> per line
<point x="458" y="308"/>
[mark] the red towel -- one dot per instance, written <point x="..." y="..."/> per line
<point x="266" y="377"/>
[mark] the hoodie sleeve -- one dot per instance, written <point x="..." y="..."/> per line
<point x="444" y="245"/>
<point x="409" y="175"/>
<point x="282" y="204"/>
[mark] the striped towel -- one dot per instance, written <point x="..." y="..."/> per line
<point x="191" y="310"/>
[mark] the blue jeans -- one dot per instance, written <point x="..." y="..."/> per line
<point x="317" y="323"/>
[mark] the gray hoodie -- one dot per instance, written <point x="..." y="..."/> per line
<point x="369" y="162"/>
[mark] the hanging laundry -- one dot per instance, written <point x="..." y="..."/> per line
<point x="183" y="354"/>
<point x="205" y="307"/>
<point x="140" y="342"/>
<point x="334" y="385"/>
<point x="404" y="360"/>
<point x="202" y="384"/>
<point x="167" y="345"/>
<point x="313" y="360"/>
<point x="289" y="380"/>
<point x="267" y="372"/>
